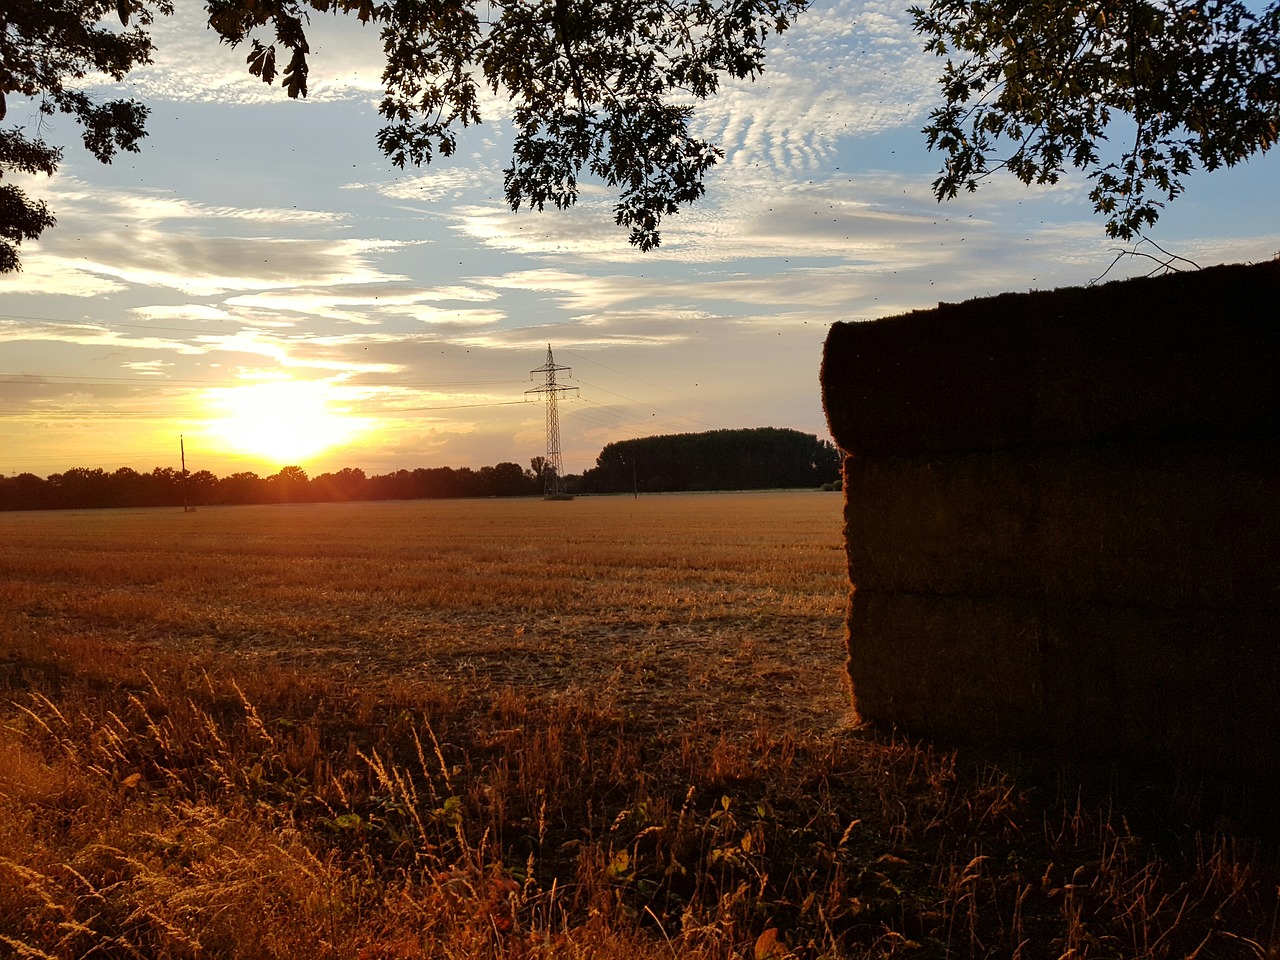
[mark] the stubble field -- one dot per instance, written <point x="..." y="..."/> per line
<point x="602" y="728"/>
<point x="671" y="609"/>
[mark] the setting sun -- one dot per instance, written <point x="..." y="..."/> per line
<point x="283" y="420"/>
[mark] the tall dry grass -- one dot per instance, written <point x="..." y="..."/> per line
<point x="498" y="729"/>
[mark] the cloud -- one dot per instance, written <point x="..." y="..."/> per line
<point x="78" y="197"/>
<point x="389" y="296"/>
<point x="580" y="335"/>
<point x="432" y="186"/>
<point x="373" y="304"/>
<point x="844" y="69"/>
<point x="124" y="238"/>
<point x="201" y="265"/>
<point x="42" y="272"/>
<point x="875" y="217"/>
<point x="87" y="334"/>
<point x="573" y="290"/>
<point x="190" y="312"/>
<point x="147" y="367"/>
<point x="191" y="64"/>
<point x="585" y="230"/>
<point x="62" y="395"/>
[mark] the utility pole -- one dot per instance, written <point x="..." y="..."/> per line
<point x="553" y="472"/>
<point x="182" y="451"/>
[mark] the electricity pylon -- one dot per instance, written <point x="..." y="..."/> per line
<point x="553" y="469"/>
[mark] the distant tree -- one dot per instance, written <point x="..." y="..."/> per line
<point x="290" y="485"/>
<point x="347" y="484"/>
<point x="242" y="487"/>
<point x="399" y="485"/>
<point x="202" y="488"/>
<point x="26" y="491"/>
<point x="128" y="488"/>
<point x="464" y="483"/>
<point x="81" y="487"/>
<point x="435" y="482"/>
<point x="504" y="480"/>
<point x="759" y="458"/>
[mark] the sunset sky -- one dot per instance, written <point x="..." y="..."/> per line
<point x="262" y="282"/>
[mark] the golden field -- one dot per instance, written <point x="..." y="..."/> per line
<point x="600" y="728"/>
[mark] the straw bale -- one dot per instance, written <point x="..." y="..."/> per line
<point x="1062" y="517"/>
<point x="943" y="526"/>
<point x="1191" y="689"/>
<point x="960" y="665"/>
<point x="1154" y="524"/>
<point x="1190" y="524"/>
<point x="1189" y="355"/>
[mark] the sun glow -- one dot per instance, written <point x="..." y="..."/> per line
<point x="281" y="420"/>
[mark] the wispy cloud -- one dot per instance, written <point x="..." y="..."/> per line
<point x="383" y="296"/>
<point x="191" y="65"/>
<point x="142" y="205"/>
<point x="431" y="186"/>
<point x="43" y="272"/>
<point x="844" y="69"/>
<point x="201" y="265"/>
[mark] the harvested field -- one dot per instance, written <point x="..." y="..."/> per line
<point x="511" y="728"/>
<point x="672" y="608"/>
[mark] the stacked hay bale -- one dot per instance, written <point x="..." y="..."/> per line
<point x="1063" y="516"/>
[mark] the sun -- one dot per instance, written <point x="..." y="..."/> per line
<point x="281" y="420"/>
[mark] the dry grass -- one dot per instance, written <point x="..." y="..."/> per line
<point x="605" y="728"/>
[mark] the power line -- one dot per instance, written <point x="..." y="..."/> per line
<point x="658" y="386"/>
<point x="203" y="417"/>
<point x="620" y="412"/>
<point x="58" y="379"/>
<point x="239" y="323"/>
<point x="458" y="406"/>
<point x="115" y="455"/>
<point x="620" y="416"/>
<point x="677" y="416"/>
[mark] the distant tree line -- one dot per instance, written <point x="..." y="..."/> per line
<point x="762" y="458"/>
<point x="165" y="487"/>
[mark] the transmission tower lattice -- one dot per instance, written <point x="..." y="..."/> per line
<point x="553" y="469"/>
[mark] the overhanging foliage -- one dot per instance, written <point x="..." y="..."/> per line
<point x="607" y="89"/>
<point x="1135" y="93"/>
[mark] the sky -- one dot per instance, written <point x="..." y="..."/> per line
<point x="260" y="282"/>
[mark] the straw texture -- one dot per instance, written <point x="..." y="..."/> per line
<point x="1183" y="356"/>
<point x="1062" y="518"/>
